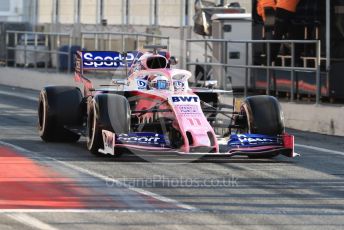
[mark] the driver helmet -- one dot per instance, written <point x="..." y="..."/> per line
<point x="158" y="82"/>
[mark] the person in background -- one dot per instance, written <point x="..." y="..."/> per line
<point x="264" y="4"/>
<point x="266" y="10"/>
<point x="284" y="13"/>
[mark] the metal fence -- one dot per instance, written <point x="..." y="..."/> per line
<point x="268" y="67"/>
<point x="120" y="41"/>
<point x="56" y="50"/>
<point x="38" y="49"/>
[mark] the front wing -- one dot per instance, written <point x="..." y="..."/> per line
<point x="240" y="144"/>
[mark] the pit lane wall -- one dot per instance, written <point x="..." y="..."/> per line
<point x="325" y="119"/>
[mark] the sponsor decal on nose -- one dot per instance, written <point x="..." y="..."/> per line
<point x="181" y="99"/>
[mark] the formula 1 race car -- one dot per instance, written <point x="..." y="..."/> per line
<point x="155" y="109"/>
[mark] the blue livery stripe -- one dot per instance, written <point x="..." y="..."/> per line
<point x="253" y="140"/>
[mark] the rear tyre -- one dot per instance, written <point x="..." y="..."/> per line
<point x="106" y="112"/>
<point x="263" y="116"/>
<point x="59" y="106"/>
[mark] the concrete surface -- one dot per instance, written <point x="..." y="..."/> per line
<point x="324" y="119"/>
<point x="31" y="79"/>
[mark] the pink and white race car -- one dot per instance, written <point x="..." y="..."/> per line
<point x="155" y="109"/>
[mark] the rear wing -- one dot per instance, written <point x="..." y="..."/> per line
<point x="86" y="61"/>
<point x="107" y="60"/>
<point x="104" y="60"/>
<point x="100" y="60"/>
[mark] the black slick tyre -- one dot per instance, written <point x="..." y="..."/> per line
<point x="58" y="107"/>
<point x="263" y="116"/>
<point x="106" y="112"/>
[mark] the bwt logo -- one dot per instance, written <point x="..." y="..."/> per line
<point x="176" y="99"/>
<point x="106" y="59"/>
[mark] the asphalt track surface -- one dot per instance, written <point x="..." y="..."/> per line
<point x="62" y="186"/>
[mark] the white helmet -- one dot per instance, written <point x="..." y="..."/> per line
<point x="159" y="82"/>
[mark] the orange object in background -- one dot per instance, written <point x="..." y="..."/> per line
<point x="263" y="4"/>
<point x="289" y="5"/>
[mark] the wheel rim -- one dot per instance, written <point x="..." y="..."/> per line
<point x="42" y="113"/>
<point x="92" y="127"/>
<point x="245" y="112"/>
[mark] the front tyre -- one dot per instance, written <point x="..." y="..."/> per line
<point x="59" y="106"/>
<point x="263" y="115"/>
<point x="106" y="112"/>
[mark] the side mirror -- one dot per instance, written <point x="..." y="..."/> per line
<point x="119" y="81"/>
<point x="210" y="84"/>
<point x="173" y="60"/>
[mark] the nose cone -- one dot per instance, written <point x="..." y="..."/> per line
<point x="198" y="134"/>
<point x="198" y="138"/>
<point x="201" y="141"/>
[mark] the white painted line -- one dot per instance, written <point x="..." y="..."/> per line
<point x="154" y="210"/>
<point x="18" y="148"/>
<point x="320" y="149"/>
<point x="121" y="184"/>
<point x="108" y="179"/>
<point x="30" y="221"/>
<point x="214" y="211"/>
<point x="19" y="95"/>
